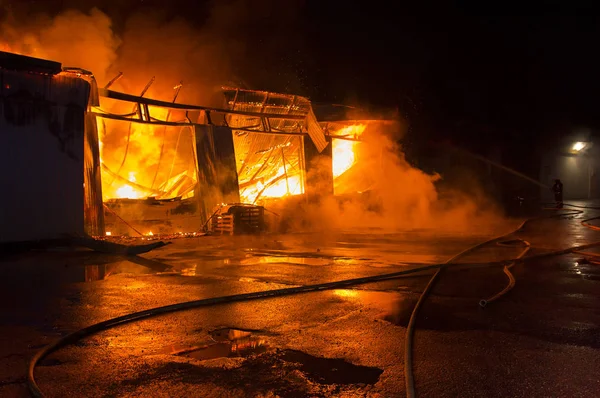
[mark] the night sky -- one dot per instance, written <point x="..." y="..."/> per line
<point x="473" y="79"/>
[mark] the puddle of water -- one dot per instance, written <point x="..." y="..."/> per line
<point x="98" y="272"/>
<point x="285" y="260"/>
<point x="213" y="351"/>
<point x="353" y="245"/>
<point x="332" y="370"/>
<point x="384" y="300"/>
<point x="229" y="343"/>
<point x="190" y="271"/>
<point x="228" y="334"/>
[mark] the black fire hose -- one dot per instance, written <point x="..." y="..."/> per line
<point x="408" y="341"/>
<point x="136" y="316"/>
<point x="506" y="270"/>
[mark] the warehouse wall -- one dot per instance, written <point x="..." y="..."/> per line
<point x="42" y="120"/>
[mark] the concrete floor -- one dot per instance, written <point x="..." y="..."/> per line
<point x="542" y="339"/>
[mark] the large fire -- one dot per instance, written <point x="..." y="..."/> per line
<point x="279" y="186"/>
<point x="287" y="181"/>
<point x="127" y="191"/>
<point x="144" y="160"/>
<point x="136" y="178"/>
<point x="344" y="151"/>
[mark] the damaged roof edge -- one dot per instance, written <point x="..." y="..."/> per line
<point x="116" y="95"/>
<point x="18" y="62"/>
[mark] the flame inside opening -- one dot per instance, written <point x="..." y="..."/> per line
<point x="127" y="191"/>
<point x="144" y="160"/>
<point x="277" y="187"/>
<point x="344" y="151"/>
<point x="269" y="166"/>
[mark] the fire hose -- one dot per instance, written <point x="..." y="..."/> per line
<point x="408" y="341"/>
<point x="506" y="270"/>
<point x="409" y="380"/>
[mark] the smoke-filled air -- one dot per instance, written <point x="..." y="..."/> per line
<point x="394" y="194"/>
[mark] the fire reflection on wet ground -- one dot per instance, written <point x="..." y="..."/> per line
<point x="292" y="345"/>
<point x="231" y="343"/>
<point x="227" y="343"/>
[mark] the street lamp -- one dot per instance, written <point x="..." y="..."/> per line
<point x="578" y="146"/>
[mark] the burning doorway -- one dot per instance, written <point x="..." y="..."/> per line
<point x="269" y="151"/>
<point x="166" y="166"/>
<point x="149" y="171"/>
<point x="357" y="153"/>
<point x="345" y="158"/>
<point x="269" y="166"/>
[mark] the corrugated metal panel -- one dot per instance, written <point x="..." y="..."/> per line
<point x="315" y="131"/>
<point x="266" y="102"/>
<point x="17" y="62"/>
<point x="93" y="207"/>
<point x="264" y="159"/>
<point x="42" y="120"/>
<point x="217" y="177"/>
<point x="273" y="103"/>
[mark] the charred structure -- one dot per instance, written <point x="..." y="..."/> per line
<point x="152" y="167"/>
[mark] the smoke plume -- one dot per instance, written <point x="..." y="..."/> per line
<point x="235" y="44"/>
<point x="75" y="39"/>
<point x="239" y="42"/>
<point x="395" y="195"/>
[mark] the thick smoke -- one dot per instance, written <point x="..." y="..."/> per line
<point x="238" y="42"/>
<point x="172" y="50"/>
<point x="169" y="50"/>
<point x="396" y="196"/>
<point x="75" y="39"/>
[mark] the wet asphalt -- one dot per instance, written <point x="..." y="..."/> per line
<point x="540" y="339"/>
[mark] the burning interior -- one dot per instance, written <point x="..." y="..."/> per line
<point x="153" y="176"/>
<point x="158" y="167"/>
<point x="269" y="159"/>
<point x="148" y="168"/>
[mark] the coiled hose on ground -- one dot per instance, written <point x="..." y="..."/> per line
<point x="506" y="270"/>
<point x="408" y="346"/>
<point x="108" y="324"/>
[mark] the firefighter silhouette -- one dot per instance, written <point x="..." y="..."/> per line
<point x="557" y="188"/>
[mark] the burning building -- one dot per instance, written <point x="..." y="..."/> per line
<point x="86" y="160"/>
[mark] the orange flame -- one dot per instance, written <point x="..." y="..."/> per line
<point x="344" y="151"/>
<point x="278" y="186"/>
<point x="136" y="153"/>
<point x="127" y="191"/>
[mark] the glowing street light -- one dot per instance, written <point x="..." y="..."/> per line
<point x="578" y="146"/>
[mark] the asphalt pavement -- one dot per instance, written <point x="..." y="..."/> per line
<point x="540" y="339"/>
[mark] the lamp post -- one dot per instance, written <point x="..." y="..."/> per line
<point x="580" y="147"/>
<point x="590" y="175"/>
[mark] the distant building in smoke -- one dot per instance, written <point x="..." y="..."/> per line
<point x="574" y="159"/>
<point x="82" y="160"/>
